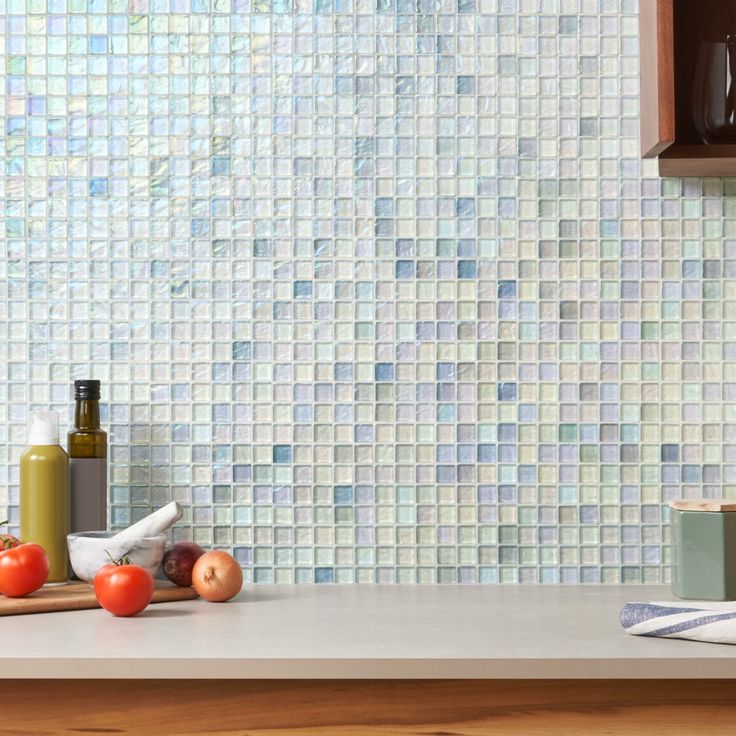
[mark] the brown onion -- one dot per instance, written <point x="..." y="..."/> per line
<point x="217" y="577"/>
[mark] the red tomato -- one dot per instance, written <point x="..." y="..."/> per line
<point x="23" y="569"/>
<point x="124" y="590"/>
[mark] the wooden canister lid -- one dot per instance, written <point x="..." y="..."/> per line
<point x="703" y="504"/>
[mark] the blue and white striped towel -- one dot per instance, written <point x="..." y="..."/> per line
<point x="698" y="620"/>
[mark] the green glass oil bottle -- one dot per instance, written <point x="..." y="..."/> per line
<point x="87" y="445"/>
<point x="44" y="493"/>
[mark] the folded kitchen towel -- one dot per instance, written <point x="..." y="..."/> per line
<point x="698" y="620"/>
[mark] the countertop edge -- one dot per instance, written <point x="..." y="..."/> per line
<point x="371" y="669"/>
<point x="368" y="633"/>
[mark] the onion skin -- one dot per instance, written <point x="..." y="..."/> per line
<point x="179" y="560"/>
<point x="217" y="577"/>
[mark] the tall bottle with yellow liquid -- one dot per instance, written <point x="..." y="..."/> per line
<point x="44" y="493"/>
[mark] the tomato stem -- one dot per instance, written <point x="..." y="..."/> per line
<point x="7" y="541"/>
<point x="124" y="560"/>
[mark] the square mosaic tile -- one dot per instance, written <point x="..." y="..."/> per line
<point x="379" y="290"/>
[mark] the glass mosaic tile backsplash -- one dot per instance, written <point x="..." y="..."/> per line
<point x="378" y="289"/>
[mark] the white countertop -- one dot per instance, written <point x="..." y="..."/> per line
<point x="363" y="632"/>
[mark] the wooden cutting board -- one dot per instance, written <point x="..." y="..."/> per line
<point x="78" y="596"/>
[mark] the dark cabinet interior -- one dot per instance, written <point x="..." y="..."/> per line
<point x="672" y="34"/>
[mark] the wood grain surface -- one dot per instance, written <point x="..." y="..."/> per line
<point x="657" y="76"/>
<point x="78" y="596"/>
<point x="710" y="505"/>
<point x="698" y="160"/>
<point x="364" y="708"/>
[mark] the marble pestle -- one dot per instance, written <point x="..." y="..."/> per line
<point x="156" y="523"/>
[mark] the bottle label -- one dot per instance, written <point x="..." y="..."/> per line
<point x="88" y="494"/>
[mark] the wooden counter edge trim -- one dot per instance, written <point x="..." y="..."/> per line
<point x="703" y="504"/>
<point x="675" y="668"/>
<point x="360" y="708"/>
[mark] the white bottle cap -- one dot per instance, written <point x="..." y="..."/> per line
<point x="44" y="428"/>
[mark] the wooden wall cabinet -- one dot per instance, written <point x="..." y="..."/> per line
<point x="670" y="33"/>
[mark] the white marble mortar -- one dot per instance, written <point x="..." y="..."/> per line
<point x="88" y="552"/>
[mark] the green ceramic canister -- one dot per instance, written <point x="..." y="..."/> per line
<point x="704" y="549"/>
